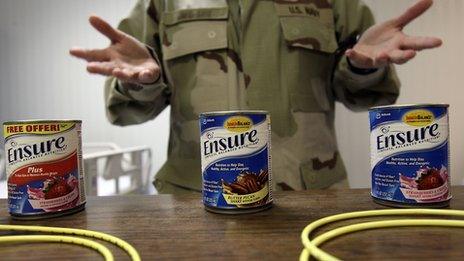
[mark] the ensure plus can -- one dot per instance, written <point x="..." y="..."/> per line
<point x="410" y="155"/>
<point x="44" y="168"/>
<point x="236" y="161"/>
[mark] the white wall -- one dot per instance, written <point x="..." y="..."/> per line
<point x="433" y="77"/>
<point x="38" y="79"/>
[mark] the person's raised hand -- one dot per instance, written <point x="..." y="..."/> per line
<point x="126" y="58"/>
<point x="386" y="43"/>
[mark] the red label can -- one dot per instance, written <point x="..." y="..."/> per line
<point x="44" y="168"/>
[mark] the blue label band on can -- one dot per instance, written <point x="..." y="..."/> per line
<point x="236" y="159"/>
<point x="410" y="154"/>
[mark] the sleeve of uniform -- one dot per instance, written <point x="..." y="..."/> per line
<point x="132" y="104"/>
<point x="358" y="91"/>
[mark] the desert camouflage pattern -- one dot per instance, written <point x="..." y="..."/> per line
<point x="277" y="56"/>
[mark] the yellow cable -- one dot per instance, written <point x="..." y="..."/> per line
<point x="104" y="251"/>
<point x="311" y="246"/>
<point x="78" y="232"/>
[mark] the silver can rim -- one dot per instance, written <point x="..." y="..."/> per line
<point x="412" y="105"/>
<point x="42" y="121"/>
<point x="215" y="113"/>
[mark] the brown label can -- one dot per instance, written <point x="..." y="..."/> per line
<point x="236" y="161"/>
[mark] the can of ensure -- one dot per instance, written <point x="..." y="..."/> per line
<point x="410" y="155"/>
<point x="44" y="168"/>
<point x="236" y="161"/>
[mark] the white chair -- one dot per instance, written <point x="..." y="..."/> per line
<point x="2" y="165"/>
<point x="3" y="183"/>
<point x="129" y="168"/>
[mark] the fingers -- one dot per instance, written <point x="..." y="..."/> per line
<point x="104" y="68"/>
<point x="148" y="76"/>
<point x="420" y="43"/>
<point x="364" y="61"/>
<point x="382" y="59"/>
<point x="413" y="12"/>
<point x="358" y="59"/>
<point x="145" y="76"/>
<point x="125" y="75"/>
<point x="139" y="77"/>
<point x="103" y="27"/>
<point x="90" y="55"/>
<point x="400" y="56"/>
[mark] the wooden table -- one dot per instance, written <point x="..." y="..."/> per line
<point x="170" y="227"/>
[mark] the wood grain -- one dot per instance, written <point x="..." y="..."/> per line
<point x="171" y="227"/>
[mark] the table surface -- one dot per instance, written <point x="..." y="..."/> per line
<point x="170" y="227"/>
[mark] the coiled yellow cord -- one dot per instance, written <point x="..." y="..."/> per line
<point x="311" y="246"/>
<point x="104" y="251"/>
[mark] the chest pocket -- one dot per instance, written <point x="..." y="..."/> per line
<point x="308" y="25"/>
<point x="192" y="30"/>
<point x="194" y="47"/>
<point x="308" y="30"/>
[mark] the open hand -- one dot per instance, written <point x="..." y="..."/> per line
<point x="386" y="43"/>
<point x="126" y="58"/>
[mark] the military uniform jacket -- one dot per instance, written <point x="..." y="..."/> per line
<point x="279" y="56"/>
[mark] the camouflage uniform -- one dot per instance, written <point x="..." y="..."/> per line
<point x="240" y="54"/>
